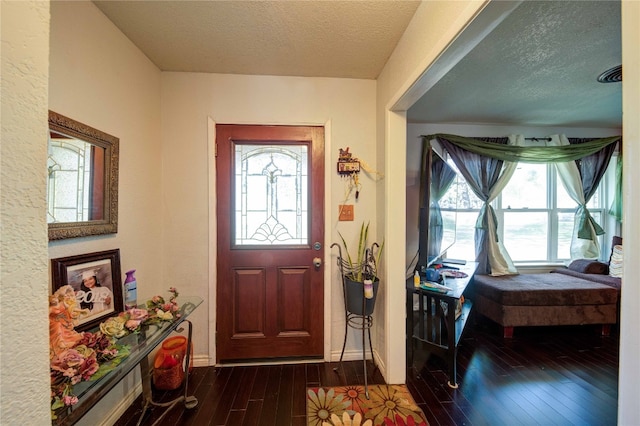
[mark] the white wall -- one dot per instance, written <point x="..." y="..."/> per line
<point x="24" y="361"/>
<point x="189" y="100"/>
<point x="99" y="78"/>
<point x="433" y="27"/>
<point x="629" y="376"/>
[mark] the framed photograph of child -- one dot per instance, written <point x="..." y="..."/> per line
<point x="96" y="281"/>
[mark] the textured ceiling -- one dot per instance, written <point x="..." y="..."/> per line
<point x="538" y="67"/>
<point x="351" y="39"/>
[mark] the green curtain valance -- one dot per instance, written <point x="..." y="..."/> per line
<point x="527" y="154"/>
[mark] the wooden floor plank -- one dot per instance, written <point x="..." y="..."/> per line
<point x="285" y="396"/>
<point x="243" y="394"/>
<point x="226" y="398"/>
<point x="253" y="412"/>
<point x="299" y="403"/>
<point x="270" y="402"/>
<point x="544" y="375"/>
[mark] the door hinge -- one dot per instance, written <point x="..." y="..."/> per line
<point x="215" y="154"/>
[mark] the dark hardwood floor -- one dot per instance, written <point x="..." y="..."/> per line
<point x="543" y="376"/>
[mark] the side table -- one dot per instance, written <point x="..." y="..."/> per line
<point x="434" y="324"/>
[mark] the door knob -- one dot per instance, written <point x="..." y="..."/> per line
<point x="317" y="262"/>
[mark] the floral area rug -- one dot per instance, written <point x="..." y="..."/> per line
<point x="348" y="405"/>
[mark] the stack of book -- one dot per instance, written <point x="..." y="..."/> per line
<point x="433" y="286"/>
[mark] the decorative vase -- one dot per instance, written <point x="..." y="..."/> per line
<point x="355" y="294"/>
<point x="168" y="369"/>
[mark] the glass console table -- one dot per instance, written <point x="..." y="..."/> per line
<point x="141" y="344"/>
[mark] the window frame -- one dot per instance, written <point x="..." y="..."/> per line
<point x="552" y="210"/>
<point x="606" y="190"/>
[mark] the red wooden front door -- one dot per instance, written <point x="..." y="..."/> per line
<point x="270" y="203"/>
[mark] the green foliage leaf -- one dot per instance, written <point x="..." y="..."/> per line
<point x="107" y="367"/>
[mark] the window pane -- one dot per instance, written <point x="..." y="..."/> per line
<point x="527" y="187"/>
<point x="565" y="231"/>
<point x="271" y="194"/>
<point x="594" y="202"/>
<point x="565" y="201"/>
<point x="459" y="195"/>
<point x="525" y="235"/>
<point x="464" y="247"/>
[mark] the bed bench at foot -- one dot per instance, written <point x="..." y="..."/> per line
<point x="545" y="300"/>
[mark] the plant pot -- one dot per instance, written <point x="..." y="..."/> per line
<point x="354" y="293"/>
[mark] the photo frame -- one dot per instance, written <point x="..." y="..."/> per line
<point x="97" y="282"/>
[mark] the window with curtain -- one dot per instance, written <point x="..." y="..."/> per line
<point x="460" y="198"/>
<point x="534" y="211"/>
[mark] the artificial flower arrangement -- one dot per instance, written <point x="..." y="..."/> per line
<point x="130" y="321"/>
<point x="77" y="357"/>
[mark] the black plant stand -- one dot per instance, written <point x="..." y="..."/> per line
<point x="362" y="319"/>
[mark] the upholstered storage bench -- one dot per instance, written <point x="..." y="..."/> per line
<point x="545" y="299"/>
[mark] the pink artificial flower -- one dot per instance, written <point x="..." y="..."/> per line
<point x="175" y="307"/>
<point x="110" y="352"/>
<point x="90" y="368"/>
<point x="133" y="324"/>
<point x="70" y="358"/>
<point x="138" y="314"/>
<point x="70" y="400"/>
<point x="157" y="299"/>
<point x="69" y="372"/>
<point x="97" y="340"/>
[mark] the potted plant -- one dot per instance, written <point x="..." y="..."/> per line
<point x="359" y="271"/>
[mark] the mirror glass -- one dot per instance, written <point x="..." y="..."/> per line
<point x="82" y="184"/>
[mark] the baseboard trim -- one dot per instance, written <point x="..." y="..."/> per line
<point x="356" y="355"/>
<point x="119" y="410"/>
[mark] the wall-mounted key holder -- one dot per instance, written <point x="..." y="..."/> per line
<point x="347" y="165"/>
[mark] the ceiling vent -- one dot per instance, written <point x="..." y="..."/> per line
<point x="612" y="75"/>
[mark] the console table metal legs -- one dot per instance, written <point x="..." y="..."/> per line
<point x="147" y="396"/>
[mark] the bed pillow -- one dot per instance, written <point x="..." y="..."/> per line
<point x="615" y="266"/>
<point x="587" y="266"/>
<point x="615" y="241"/>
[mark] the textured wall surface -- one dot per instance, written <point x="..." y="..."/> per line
<point x="24" y="342"/>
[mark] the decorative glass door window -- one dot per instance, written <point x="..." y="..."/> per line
<point x="271" y="194"/>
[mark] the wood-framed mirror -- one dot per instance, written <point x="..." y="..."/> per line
<point x="82" y="184"/>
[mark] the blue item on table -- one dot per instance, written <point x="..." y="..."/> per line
<point x="432" y="275"/>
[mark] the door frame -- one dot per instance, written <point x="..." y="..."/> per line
<point x="212" y="233"/>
